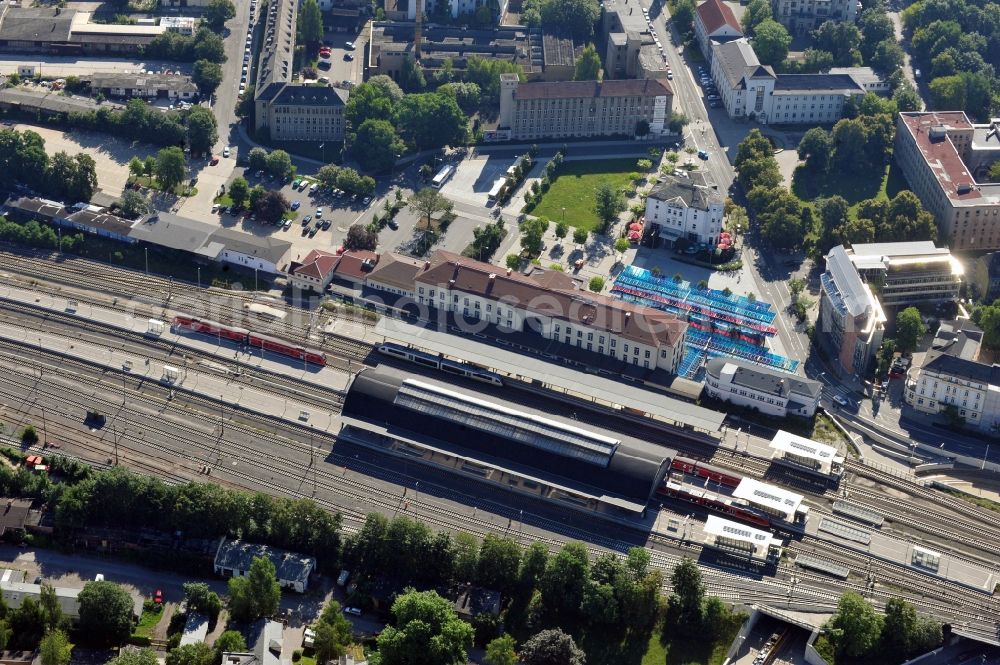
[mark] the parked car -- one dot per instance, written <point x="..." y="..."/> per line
<point x="312" y="231"/>
<point x="306" y="220"/>
<point x="296" y="205"/>
<point x="319" y="212"/>
<point x="392" y="225"/>
<point x="356" y="611"/>
<point x="703" y="154"/>
<point x="349" y="46"/>
<point x="158" y="597"/>
<point x="287" y="225"/>
<point x="226" y="152"/>
<point x="348" y="57"/>
<point x="841" y="401"/>
<point x="326" y="224"/>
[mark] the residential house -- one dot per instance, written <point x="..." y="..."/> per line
<point x="233" y="559"/>
<point x="685" y="207"/>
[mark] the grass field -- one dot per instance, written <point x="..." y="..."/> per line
<point x="573" y="189"/>
<point x="854" y="187"/>
<point x="689" y="652"/>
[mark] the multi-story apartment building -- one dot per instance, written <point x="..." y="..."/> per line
<point x="292" y="111"/>
<point x="803" y="16"/>
<point x="769" y="391"/>
<point x="567" y="109"/>
<point x="553" y="308"/>
<point x="908" y="273"/>
<point x="851" y="321"/>
<point x="952" y="376"/>
<point x="750" y="89"/>
<point x="685" y="208"/>
<point x="714" y="21"/>
<point x="944" y="158"/>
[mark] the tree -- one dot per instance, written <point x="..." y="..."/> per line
<point x="272" y="206"/>
<point x="231" y="641"/>
<point x="564" y="581"/>
<point x="218" y="12"/>
<point x="608" y="203"/>
<point x="682" y="16"/>
<point x="501" y="651"/>
<point x="256" y="194"/>
<point x="757" y="12"/>
<point x="411" y="76"/>
<point x="198" y="653"/>
<point x="816" y="149"/>
<point x="105" y="613"/>
<point x="55" y="648"/>
<point x="574" y="16"/>
<point x="431" y="120"/>
<point x="326" y="176"/>
<point x="486" y="239"/>
<point x="906" y="97"/>
<point x="360" y="237"/>
<point x="841" y="39"/>
<point x="84" y="181"/>
<point x="875" y="27"/>
<point x="207" y="45"/>
<point x="688" y="593"/>
<point x="279" y="164"/>
<point x="887" y="58"/>
<point x="135" y="167"/>
<point x="947" y="92"/>
<point x="239" y="190"/>
<point x="532" y="235"/>
<point x="816" y="60"/>
<point x="310" y="23"/>
<point x="133" y="204"/>
<point x="622" y="245"/>
<point x="256" y="595"/>
<point x="171" y="168"/>
<point x="588" y="65"/>
<point x="244" y="103"/>
<point x="207" y="75"/>
<point x="849" y="138"/>
<point x="377" y="145"/>
<point x="486" y="74"/>
<point x="782" y="220"/>
<point x="596" y="284"/>
<point x="905" y="219"/>
<point x="202" y="131"/>
<point x="371" y="101"/>
<point x="427" y="632"/>
<point x="135" y="657"/>
<point x="512" y="261"/>
<point x="856" y="627"/>
<point x="771" y="41"/>
<point x="833" y="215"/>
<point x="49" y="602"/>
<point x="467" y="95"/>
<point x="994" y="172"/>
<point x="551" y="647"/>
<point x="427" y="201"/>
<point x="200" y="598"/>
<point x="580" y="235"/>
<point x="909" y="329"/>
<point x="257" y="159"/>
<point x="333" y="633"/>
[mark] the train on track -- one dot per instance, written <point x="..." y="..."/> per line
<point x="452" y="367"/>
<point x="249" y="338"/>
<point x="678" y="486"/>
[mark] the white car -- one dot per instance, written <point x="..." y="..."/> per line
<point x="225" y="151"/>
<point x="841" y="401"/>
<point x="349" y="46"/>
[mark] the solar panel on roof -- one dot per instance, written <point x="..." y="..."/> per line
<point x="522" y="427"/>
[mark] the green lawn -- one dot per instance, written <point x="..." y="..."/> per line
<point x="689" y="652"/>
<point x="854" y="187"/>
<point x="182" y="189"/>
<point x="573" y="189"/>
<point x="148" y="622"/>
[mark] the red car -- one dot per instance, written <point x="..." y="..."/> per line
<point x="215" y="160"/>
<point x="158" y="597"/>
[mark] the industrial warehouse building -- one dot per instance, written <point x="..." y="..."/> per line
<point x="521" y="451"/>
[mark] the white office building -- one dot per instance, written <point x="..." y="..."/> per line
<point x="762" y="389"/>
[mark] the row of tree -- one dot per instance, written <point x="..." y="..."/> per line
<point x="202" y="45"/>
<point x="858" y="633"/>
<point x="195" y="127"/>
<point x="862" y="143"/>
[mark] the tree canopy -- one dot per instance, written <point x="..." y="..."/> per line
<point x="207" y="75"/>
<point x="552" y="647"/>
<point x="770" y="42"/>
<point x="909" y="329"/>
<point x="426" y="632"/>
<point x="608" y="203"/>
<point x="171" y="167"/>
<point x="310" y="23"/>
<point x="588" y="65"/>
<point x="105" y="613"/>
<point x="377" y="145"/>
<point x="256" y="595"/>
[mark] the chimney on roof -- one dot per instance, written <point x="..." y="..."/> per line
<point x="508" y="272"/>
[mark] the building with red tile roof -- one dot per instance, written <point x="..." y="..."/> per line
<point x="944" y="158"/>
<point x="714" y="20"/>
<point x="319" y="268"/>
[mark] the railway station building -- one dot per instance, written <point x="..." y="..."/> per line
<point x="776" y="501"/>
<point x="798" y="452"/>
<point x="532" y="454"/>
<point x="741" y="540"/>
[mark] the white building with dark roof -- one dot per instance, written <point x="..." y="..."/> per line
<point x="233" y="559"/>
<point x="866" y="78"/>
<point x="714" y="21"/>
<point x="146" y="86"/>
<point x="744" y="84"/>
<point x="685" y="208"/>
<point x="566" y="109"/>
<point x="769" y="391"/>
<point x="851" y="321"/>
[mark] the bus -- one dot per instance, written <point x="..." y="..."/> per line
<point x="442" y="176"/>
<point x="497" y="191"/>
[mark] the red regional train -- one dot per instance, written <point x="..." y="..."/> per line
<point x="249" y="338"/>
<point x="702" y="470"/>
<point x="733" y="508"/>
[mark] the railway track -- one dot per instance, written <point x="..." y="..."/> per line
<point x="246" y="374"/>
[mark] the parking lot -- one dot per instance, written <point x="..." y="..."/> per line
<point x="474" y="177"/>
<point x="110" y="154"/>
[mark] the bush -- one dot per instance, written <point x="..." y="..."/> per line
<point x="596" y="284"/>
<point x="29" y="436"/>
<point x="297" y="655"/>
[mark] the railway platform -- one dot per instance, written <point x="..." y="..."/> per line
<point x="225" y="351"/>
<point x="928" y="559"/>
<point x="210" y="380"/>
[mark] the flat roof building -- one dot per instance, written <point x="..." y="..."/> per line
<point x="851" y="320"/>
<point x="147" y="86"/>
<point x="945" y="159"/>
<point x="61" y="31"/>
<point x="800" y="452"/>
<point x="632" y="51"/>
<point x="777" y="501"/>
<point x="741" y="540"/>
<point x="908" y="273"/>
<point x="570" y="109"/>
